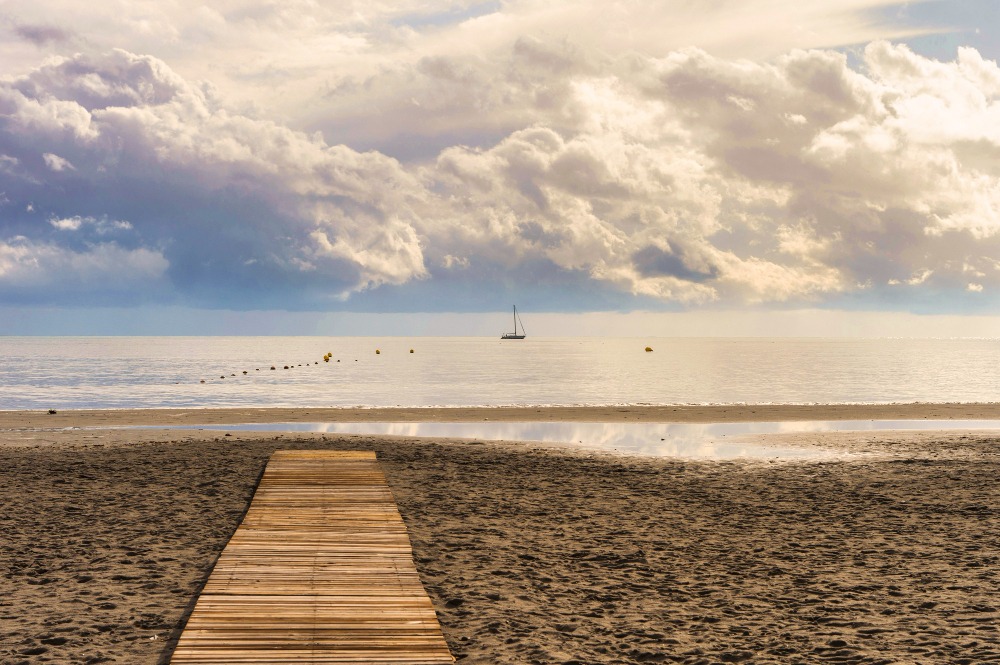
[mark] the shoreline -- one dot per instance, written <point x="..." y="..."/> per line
<point x="618" y="414"/>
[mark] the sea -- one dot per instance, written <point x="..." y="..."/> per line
<point x="187" y="372"/>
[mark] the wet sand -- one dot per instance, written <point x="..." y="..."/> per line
<point x="531" y="554"/>
<point x="647" y="414"/>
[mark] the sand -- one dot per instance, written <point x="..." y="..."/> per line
<point x="531" y="554"/>
<point x="649" y="414"/>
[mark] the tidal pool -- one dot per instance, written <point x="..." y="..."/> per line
<point x="718" y="441"/>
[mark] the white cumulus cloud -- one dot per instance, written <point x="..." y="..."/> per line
<point x="49" y="273"/>
<point x="680" y="177"/>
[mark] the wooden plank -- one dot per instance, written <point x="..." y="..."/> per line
<point x="319" y="571"/>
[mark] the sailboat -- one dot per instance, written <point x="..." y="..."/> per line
<point x="514" y="334"/>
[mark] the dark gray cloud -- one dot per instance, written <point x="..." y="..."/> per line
<point x="653" y="261"/>
<point x="42" y="35"/>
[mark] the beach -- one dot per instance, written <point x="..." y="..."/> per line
<point x="531" y="553"/>
<point x="650" y="414"/>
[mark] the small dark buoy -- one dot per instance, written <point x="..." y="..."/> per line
<point x="234" y="374"/>
<point x="411" y="350"/>
<point x="203" y="380"/>
<point x="272" y="366"/>
<point x="53" y="411"/>
<point x="223" y="376"/>
<point x="244" y="372"/>
<point x="286" y="366"/>
<point x="228" y="434"/>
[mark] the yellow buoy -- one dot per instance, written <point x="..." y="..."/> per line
<point x="648" y="349"/>
<point x="377" y="352"/>
<point x="326" y="359"/>
<point x="411" y="350"/>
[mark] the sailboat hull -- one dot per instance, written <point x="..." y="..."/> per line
<point x="511" y="336"/>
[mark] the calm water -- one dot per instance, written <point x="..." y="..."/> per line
<point x="127" y="372"/>
<point x="689" y="440"/>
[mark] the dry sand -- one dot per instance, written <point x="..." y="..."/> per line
<point x="531" y="554"/>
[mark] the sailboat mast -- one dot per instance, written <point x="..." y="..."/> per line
<point x="514" y="335"/>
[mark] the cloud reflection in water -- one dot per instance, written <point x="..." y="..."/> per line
<point x="716" y="441"/>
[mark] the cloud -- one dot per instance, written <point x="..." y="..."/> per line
<point x="40" y="35"/>
<point x="311" y="64"/>
<point x="230" y="202"/>
<point x="56" y="163"/>
<point x="683" y="179"/>
<point x="101" y="226"/>
<point x="44" y="273"/>
<point x="693" y="178"/>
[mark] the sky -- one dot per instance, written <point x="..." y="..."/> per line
<point x="685" y="167"/>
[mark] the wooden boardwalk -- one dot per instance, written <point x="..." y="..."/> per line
<point x="320" y="571"/>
